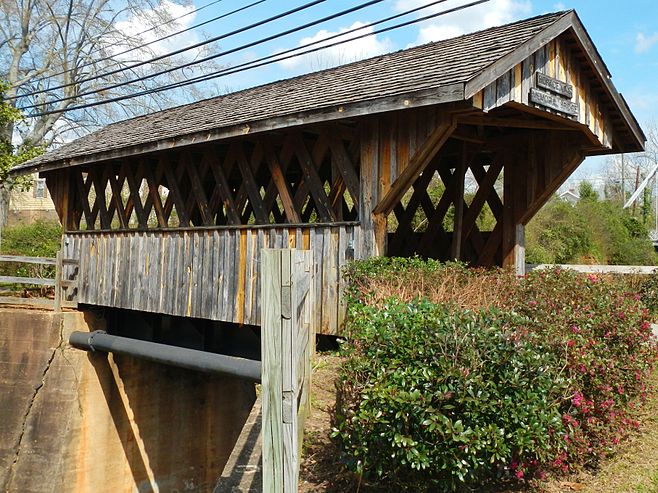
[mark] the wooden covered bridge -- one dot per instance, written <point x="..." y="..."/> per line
<point x="167" y="213"/>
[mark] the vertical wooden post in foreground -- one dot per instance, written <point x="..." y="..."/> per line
<point x="59" y="275"/>
<point x="287" y="341"/>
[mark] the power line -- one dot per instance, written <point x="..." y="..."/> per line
<point x="289" y="53"/>
<point x="138" y="35"/>
<point x="277" y="57"/>
<point x="175" y="52"/>
<point x="115" y="55"/>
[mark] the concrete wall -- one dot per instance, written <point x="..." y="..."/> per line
<point x="77" y="422"/>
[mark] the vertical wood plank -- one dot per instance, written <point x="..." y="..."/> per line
<point x="271" y="350"/>
<point x="286" y="346"/>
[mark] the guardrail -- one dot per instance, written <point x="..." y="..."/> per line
<point x="65" y="286"/>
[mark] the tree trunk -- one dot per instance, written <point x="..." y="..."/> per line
<point x="4" y="209"/>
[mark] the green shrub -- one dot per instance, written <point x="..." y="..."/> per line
<point x="559" y="361"/>
<point x="649" y="291"/>
<point x="436" y="398"/>
<point x="39" y="239"/>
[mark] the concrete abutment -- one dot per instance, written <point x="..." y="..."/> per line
<point x="81" y="422"/>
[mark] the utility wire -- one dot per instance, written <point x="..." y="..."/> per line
<point x="138" y="35"/>
<point x="171" y="35"/>
<point x="277" y="57"/>
<point x="177" y="52"/>
<point x="212" y="57"/>
<point x="290" y="53"/>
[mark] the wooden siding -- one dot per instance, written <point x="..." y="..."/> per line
<point x="207" y="273"/>
<point x="558" y="61"/>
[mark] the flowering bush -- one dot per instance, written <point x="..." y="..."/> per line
<point x="603" y="335"/>
<point x="438" y="394"/>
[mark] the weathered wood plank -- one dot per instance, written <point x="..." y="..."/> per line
<point x="286" y="365"/>
<point x="28" y="260"/>
<point x="212" y="274"/>
<point x="38" y="281"/>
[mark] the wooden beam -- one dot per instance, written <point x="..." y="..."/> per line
<point x="570" y="163"/>
<point x="405" y="216"/>
<point x="198" y="191"/>
<point x="117" y="199"/>
<point x="175" y="198"/>
<point x="222" y="189"/>
<point x="370" y="238"/>
<point x="135" y="199"/>
<point x="418" y="162"/>
<point x="312" y="179"/>
<point x="279" y="179"/>
<point x="344" y="164"/>
<point x="249" y="182"/>
<point x="99" y="187"/>
<point x="505" y="122"/>
<point x="485" y="187"/>
<point x="154" y="194"/>
<point x="459" y="177"/>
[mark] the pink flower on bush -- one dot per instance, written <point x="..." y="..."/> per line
<point x="577" y="399"/>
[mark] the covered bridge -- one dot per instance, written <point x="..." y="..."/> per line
<point x="167" y="212"/>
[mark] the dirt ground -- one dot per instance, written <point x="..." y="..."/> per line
<point x="634" y="469"/>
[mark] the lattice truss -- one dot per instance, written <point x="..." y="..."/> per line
<point x="425" y="221"/>
<point x="299" y="178"/>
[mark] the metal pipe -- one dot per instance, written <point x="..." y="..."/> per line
<point x="168" y="355"/>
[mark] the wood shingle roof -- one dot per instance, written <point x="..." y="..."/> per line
<point x="429" y="74"/>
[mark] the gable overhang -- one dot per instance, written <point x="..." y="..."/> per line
<point x="630" y="137"/>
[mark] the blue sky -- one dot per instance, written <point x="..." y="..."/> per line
<point x="626" y="34"/>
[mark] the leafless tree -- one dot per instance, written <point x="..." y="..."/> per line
<point x="622" y="171"/>
<point x="45" y="44"/>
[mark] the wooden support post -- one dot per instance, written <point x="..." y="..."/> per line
<point x="287" y="345"/>
<point x="373" y="240"/>
<point x="458" y="185"/>
<point x="59" y="275"/>
<point x="513" y="241"/>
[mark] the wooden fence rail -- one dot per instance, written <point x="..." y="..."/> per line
<point x="287" y="343"/>
<point x="62" y="284"/>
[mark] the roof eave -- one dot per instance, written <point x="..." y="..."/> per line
<point x="570" y="20"/>
<point x="439" y="95"/>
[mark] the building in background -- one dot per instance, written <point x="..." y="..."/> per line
<point x="31" y="205"/>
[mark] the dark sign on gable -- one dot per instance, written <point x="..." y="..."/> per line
<point x="553" y="94"/>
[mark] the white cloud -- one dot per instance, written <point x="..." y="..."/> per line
<point x="349" y="51"/>
<point x="493" y="13"/>
<point x="644" y="43"/>
<point x="559" y="6"/>
<point x="146" y="19"/>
